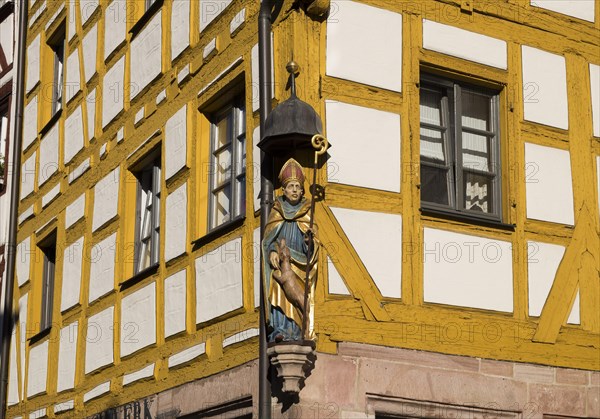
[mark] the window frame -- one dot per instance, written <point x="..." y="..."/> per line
<point x="235" y="112"/>
<point x="151" y="164"/>
<point x="451" y="89"/>
<point x="48" y="250"/>
<point x="57" y="43"/>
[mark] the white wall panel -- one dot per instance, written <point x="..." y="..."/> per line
<point x="545" y="88"/>
<point x="33" y="64"/>
<point x="75" y="211"/>
<point x="99" y="340"/>
<point x="464" y="44"/>
<point x="99" y="390"/>
<point x="542" y="263"/>
<point x="467" y="271"/>
<point x="23" y="260"/>
<point x="145" y="372"/>
<point x="73" y="134"/>
<point x="574" y="317"/>
<point x="37" y="371"/>
<point x="335" y="282"/>
<point x="548" y="184"/>
<point x="210" y="9"/>
<point x="176" y="226"/>
<point x="72" y="266"/>
<point x="115" y="19"/>
<point x="582" y="9"/>
<point x="87" y="8"/>
<point x="30" y="123"/>
<point x="23" y="302"/>
<point x="175" y="303"/>
<point x="364" y="44"/>
<point x="50" y="195"/>
<point x="91" y="113"/>
<point x="187" y="355"/>
<point x="350" y="129"/>
<point x="106" y="199"/>
<point x="595" y="92"/>
<point x="176" y="143"/>
<point x="113" y="91"/>
<point x="180" y="27"/>
<point x="138" y="319"/>
<point x="73" y="84"/>
<point x="48" y="155"/>
<point x="102" y="272"/>
<point x="13" y="378"/>
<point x="67" y="355"/>
<point x="256" y="265"/>
<point x="28" y="176"/>
<point x="146" y="55"/>
<point x="219" y="281"/>
<point x="90" y="48"/>
<point x="384" y="262"/>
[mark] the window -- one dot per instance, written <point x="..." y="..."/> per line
<point x="228" y="174"/>
<point x="57" y="44"/>
<point x="147" y="230"/>
<point x="460" y="150"/>
<point x="48" y="248"/>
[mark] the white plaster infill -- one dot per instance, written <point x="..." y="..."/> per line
<point x="240" y="337"/>
<point x="146" y="372"/>
<point x="350" y="125"/>
<point x="544" y="87"/>
<point x="99" y="340"/>
<point x="465" y="270"/>
<point x="146" y="57"/>
<point x="67" y="356"/>
<point x="464" y="44"/>
<point x="138" y="319"/>
<point x="175" y="303"/>
<point x="219" y="281"/>
<point x="64" y="406"/>
<point x="581" y="9"/>
<point x="187" y="355"/>
<point x="96" y="391"/>
<point x="364" y="44"/>
<point x="548" y="184"/>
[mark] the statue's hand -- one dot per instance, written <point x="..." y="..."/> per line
<point x="274" y="259"/>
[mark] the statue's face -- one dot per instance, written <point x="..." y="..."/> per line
<point x="293" y="192"/>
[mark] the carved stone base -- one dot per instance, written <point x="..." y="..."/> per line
<point x="293" y="361"/>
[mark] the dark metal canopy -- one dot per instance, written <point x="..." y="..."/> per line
<point x="290" y="125"/>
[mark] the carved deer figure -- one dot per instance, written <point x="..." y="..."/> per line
<point x="286" y="277"/>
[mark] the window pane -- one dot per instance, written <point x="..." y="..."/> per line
<point x="430" y="107"/>
<point x="144" y="255"/>
<point x="434" y="185"/>
<point x="223" y="167"/>
<point x="475" y="110"/>
<point x="241" y="193"/>
<point x="241" y="156"/>
<point x="222" y="136"/>
<point x="222" y="210"/>
<point x="475" y="151"/>
<point x="478" y="192"/>
<point x="432" y="144"/>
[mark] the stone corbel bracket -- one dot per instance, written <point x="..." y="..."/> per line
<point x="293" y="362"/>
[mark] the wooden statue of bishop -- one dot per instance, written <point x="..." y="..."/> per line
<point x="285" y="248"/>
